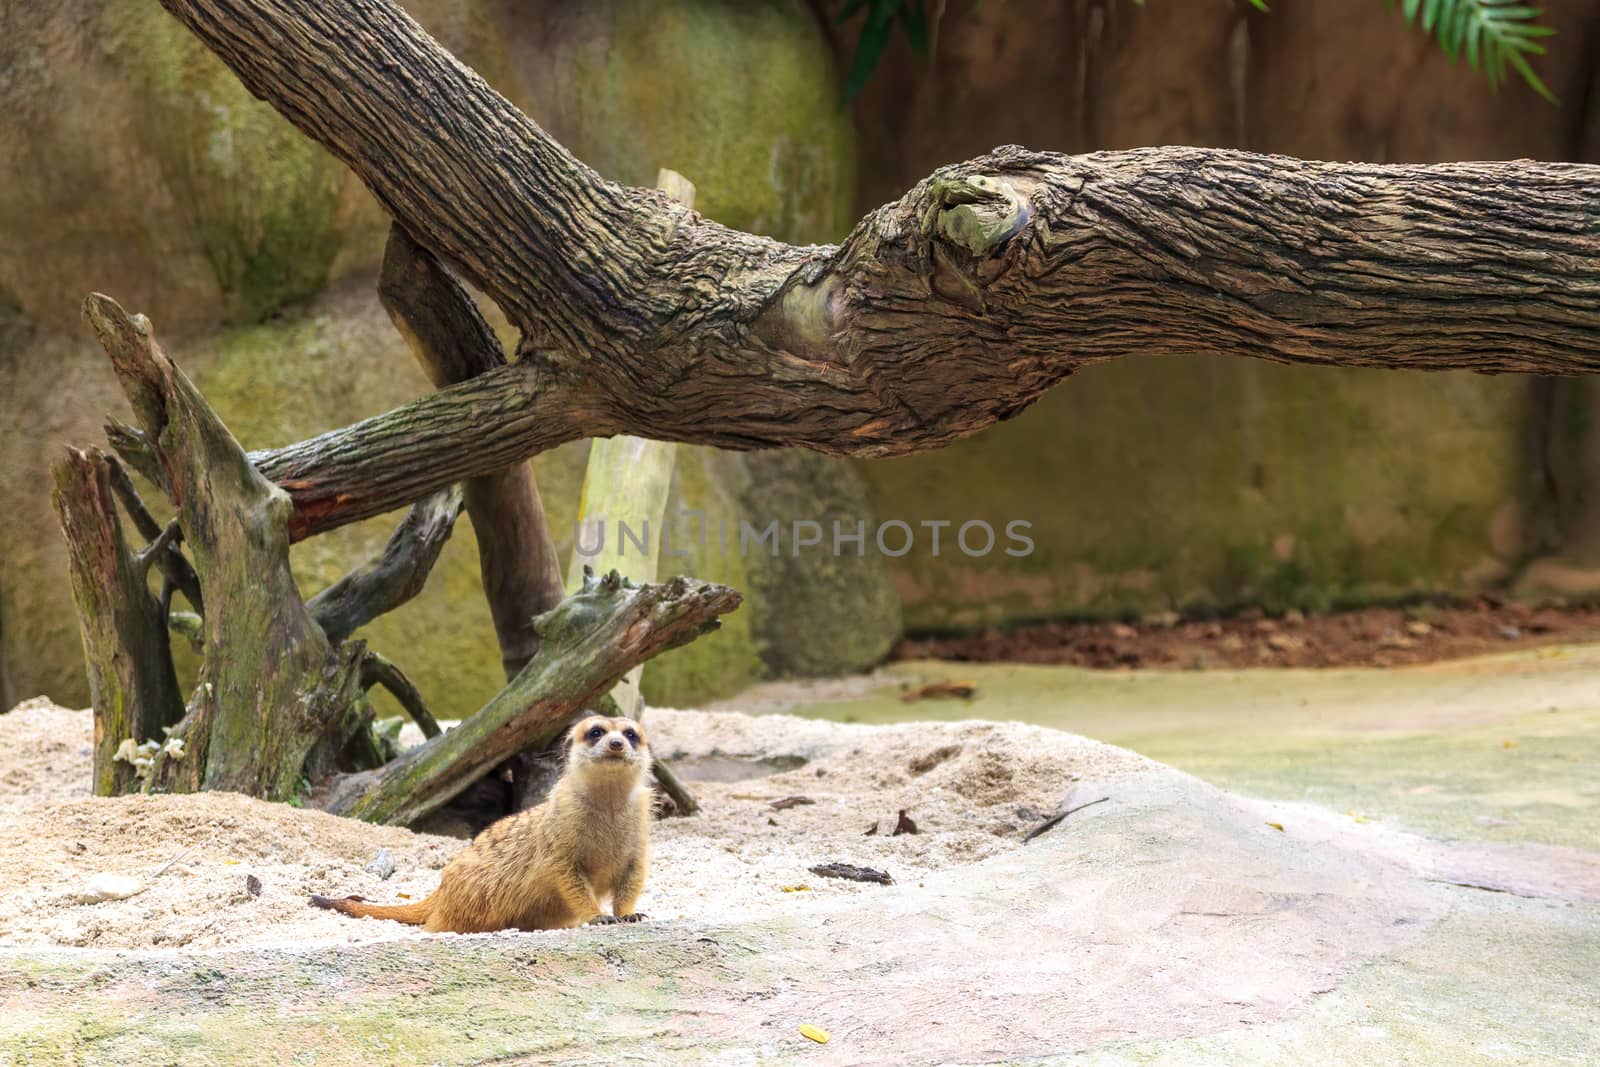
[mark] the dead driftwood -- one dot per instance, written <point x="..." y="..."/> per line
<point x="582" y="643"/>
<point x="281" y="697"/>
<point x="851" y="873"/>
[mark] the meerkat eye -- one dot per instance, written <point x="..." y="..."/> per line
<point x="631" y="736"/>
<point x="595" y="733"/>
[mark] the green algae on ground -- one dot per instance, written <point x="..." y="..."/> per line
<point x="449" y="1000"/>
<point x="1423" y="747"/>
<point x="1506" y="981"/>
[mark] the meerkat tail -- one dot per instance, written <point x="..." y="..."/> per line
<point x="415" y="914"/>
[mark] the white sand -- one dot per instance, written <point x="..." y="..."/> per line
<point x="973" y="789"/>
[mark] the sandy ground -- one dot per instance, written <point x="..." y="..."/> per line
<point x="223" y="870"/>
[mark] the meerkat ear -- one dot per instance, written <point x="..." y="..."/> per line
<point x="566" y="739"/>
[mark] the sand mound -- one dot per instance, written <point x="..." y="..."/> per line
<point x="44" y="753"/>
<point x="1174" y="912"/>
<point x="240" y="869"/>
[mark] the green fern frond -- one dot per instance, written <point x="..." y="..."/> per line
<point x="1491" y="34"/>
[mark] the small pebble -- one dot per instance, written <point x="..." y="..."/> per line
<point x="382" y="865"/>
<point x="110" y="887"/>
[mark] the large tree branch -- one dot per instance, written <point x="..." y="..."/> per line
<point x="943" y="312"/>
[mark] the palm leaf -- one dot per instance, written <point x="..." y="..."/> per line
<point x="1490" y="34"/>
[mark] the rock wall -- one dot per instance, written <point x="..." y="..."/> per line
<point x="1200" y="482"/>
<point x="150" y="174"/>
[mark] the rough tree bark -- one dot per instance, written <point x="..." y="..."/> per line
<point x="943" y="312"/>
<point x="516" y="553"/>
<point x="627" y="479"/>
<point x="395" y="575"/>
<point x="132" y="684"/>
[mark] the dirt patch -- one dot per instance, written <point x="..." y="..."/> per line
<point x="222" y="870"/>
<point x="1374" y="637"/>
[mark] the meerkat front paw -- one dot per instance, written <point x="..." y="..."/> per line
<point x="609" y="920"/>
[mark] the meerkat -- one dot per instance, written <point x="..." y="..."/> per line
<point x="551" y="866"/>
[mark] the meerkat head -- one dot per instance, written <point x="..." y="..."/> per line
<point x="600" y="743"/>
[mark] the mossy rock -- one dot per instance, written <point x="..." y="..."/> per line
<point x="742" y="99"/>
<point x="153" y="174"/>
<point x="808" y="610"/>
<point x="828" y="607"/>
<point x="1205" y="484"/>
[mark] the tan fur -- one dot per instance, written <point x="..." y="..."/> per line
<point x="552" y="865"/>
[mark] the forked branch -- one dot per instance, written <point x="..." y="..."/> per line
<point x="943" y="312"/>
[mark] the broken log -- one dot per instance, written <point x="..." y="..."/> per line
<point x="271" y="686"/>
<point x="376" y="670"/>
<point x="395" y="575"/>
<point x="132" y="684"/>
<point x="171" y="559"/>
<point x="587" y="642"/>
